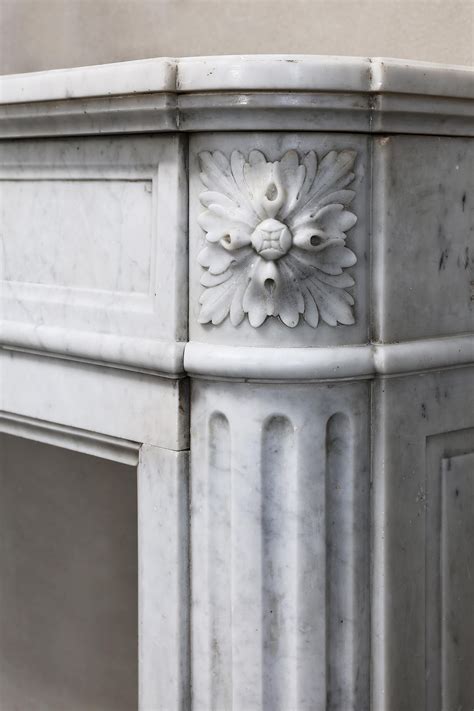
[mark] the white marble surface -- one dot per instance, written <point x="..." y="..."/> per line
<point x="69" y="220"/>
<point x="163" y="584"/>
<point x="205" y="93"/>
<point x="346" y="165"/>
<point x="413" y="447"/>
<point x="94" y="248"/>
<point x="119" y="402"/>
<point x="279" y="544"/>
<point x="423" y="259"/>
<point x="319" y="329"/>
<point x="136" y="77"/>
<point x="241" y="72"/>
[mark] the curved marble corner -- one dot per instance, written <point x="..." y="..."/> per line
<point x="236" y="92"/>
<point x="323" y="73"/>
<point x="294" y="72"/>
<point x="303" y="478"/>
<point x="326" y="363"/>
<point x="223" y="362"/>
<point x="145" y="76"/>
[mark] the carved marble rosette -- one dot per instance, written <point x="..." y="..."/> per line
<point x="275" y="238"/>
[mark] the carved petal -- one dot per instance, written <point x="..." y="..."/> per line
<point x="310" y="162"/>
<point x="331" y="259"/>
<point x="273" y="291"/>
<point x="311" y="312"/>
<point x="334" y="220"/>
<point x="341" y="197"/>
<point x="239" y="213"/>
<point x="218" y="175"/>
<point x="264" y="184"/>
<point x="312" y="200"/>
<point x="216" y="301"/>
<point x="289" y="299"/>
<point x="334" y="304"/>
<point x="208" y="279"/>
<point x="323" y="294"/>
<point x="291" y="175"/>
<point x="331" y="222"/>
<point x="219" y="226"/>
<point x="215" y="259"/>
<point x="334" y="170"/>
<point x="333" y="174"/>
<point x="258" y="301"/>
<point x="342" y="281"/>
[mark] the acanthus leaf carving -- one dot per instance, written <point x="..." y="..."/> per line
<point x="275" y="238"/>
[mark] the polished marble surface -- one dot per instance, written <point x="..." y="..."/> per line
<point x="251" y="279"/>
<point x="303" y="92"/>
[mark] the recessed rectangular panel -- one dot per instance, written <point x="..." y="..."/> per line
<point x="93" y="234"/>
<point x="449" y="576"/>
<point x="93" y="241"/>
<point x="418" y="421"/>
<point x="423" y="224"/>
<point x="457" y="582"/>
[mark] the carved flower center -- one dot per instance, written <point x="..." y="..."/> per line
<point x="271" y="239"/>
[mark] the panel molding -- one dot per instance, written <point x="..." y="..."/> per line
<point x="442" y="452"/>
<point x="73" y="438"/>
<point x="163" y="357"/>
<point x="260" y="364"/>
<point x="326" y="363"/>
<point x="158" y="309"/>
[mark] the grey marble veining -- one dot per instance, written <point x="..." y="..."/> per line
<point x="278" y="92"/>
<point x="264" y="305"/>
<point x="279" y="543"/>
<point x="423" y="237"/>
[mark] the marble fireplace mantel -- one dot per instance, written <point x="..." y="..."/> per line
<point x="252" y="278"/>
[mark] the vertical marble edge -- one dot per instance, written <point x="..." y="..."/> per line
<point x="340" y="533"/>
<point x="219" y="491"/>
<point x="310" y="471"/>
<point x="456" y="579"/>
<point x="163" y="580"/>
<point x="378" y="572"/>
<point x="246" y="560"/>
<point x="171" y="235"/>
<point x="279" y="515"/>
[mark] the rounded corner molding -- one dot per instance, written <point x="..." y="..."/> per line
<point x="327" y="363"/>
<point x="275" y="243"/>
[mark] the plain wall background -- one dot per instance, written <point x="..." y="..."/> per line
<point x="45" y="34"/>
<point x="68" y="580"/>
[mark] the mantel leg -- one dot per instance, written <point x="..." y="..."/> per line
<point x="279" y="547"/>
<point x="163" y="562"/>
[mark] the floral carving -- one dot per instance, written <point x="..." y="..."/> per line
<point x="275" y="238"/>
